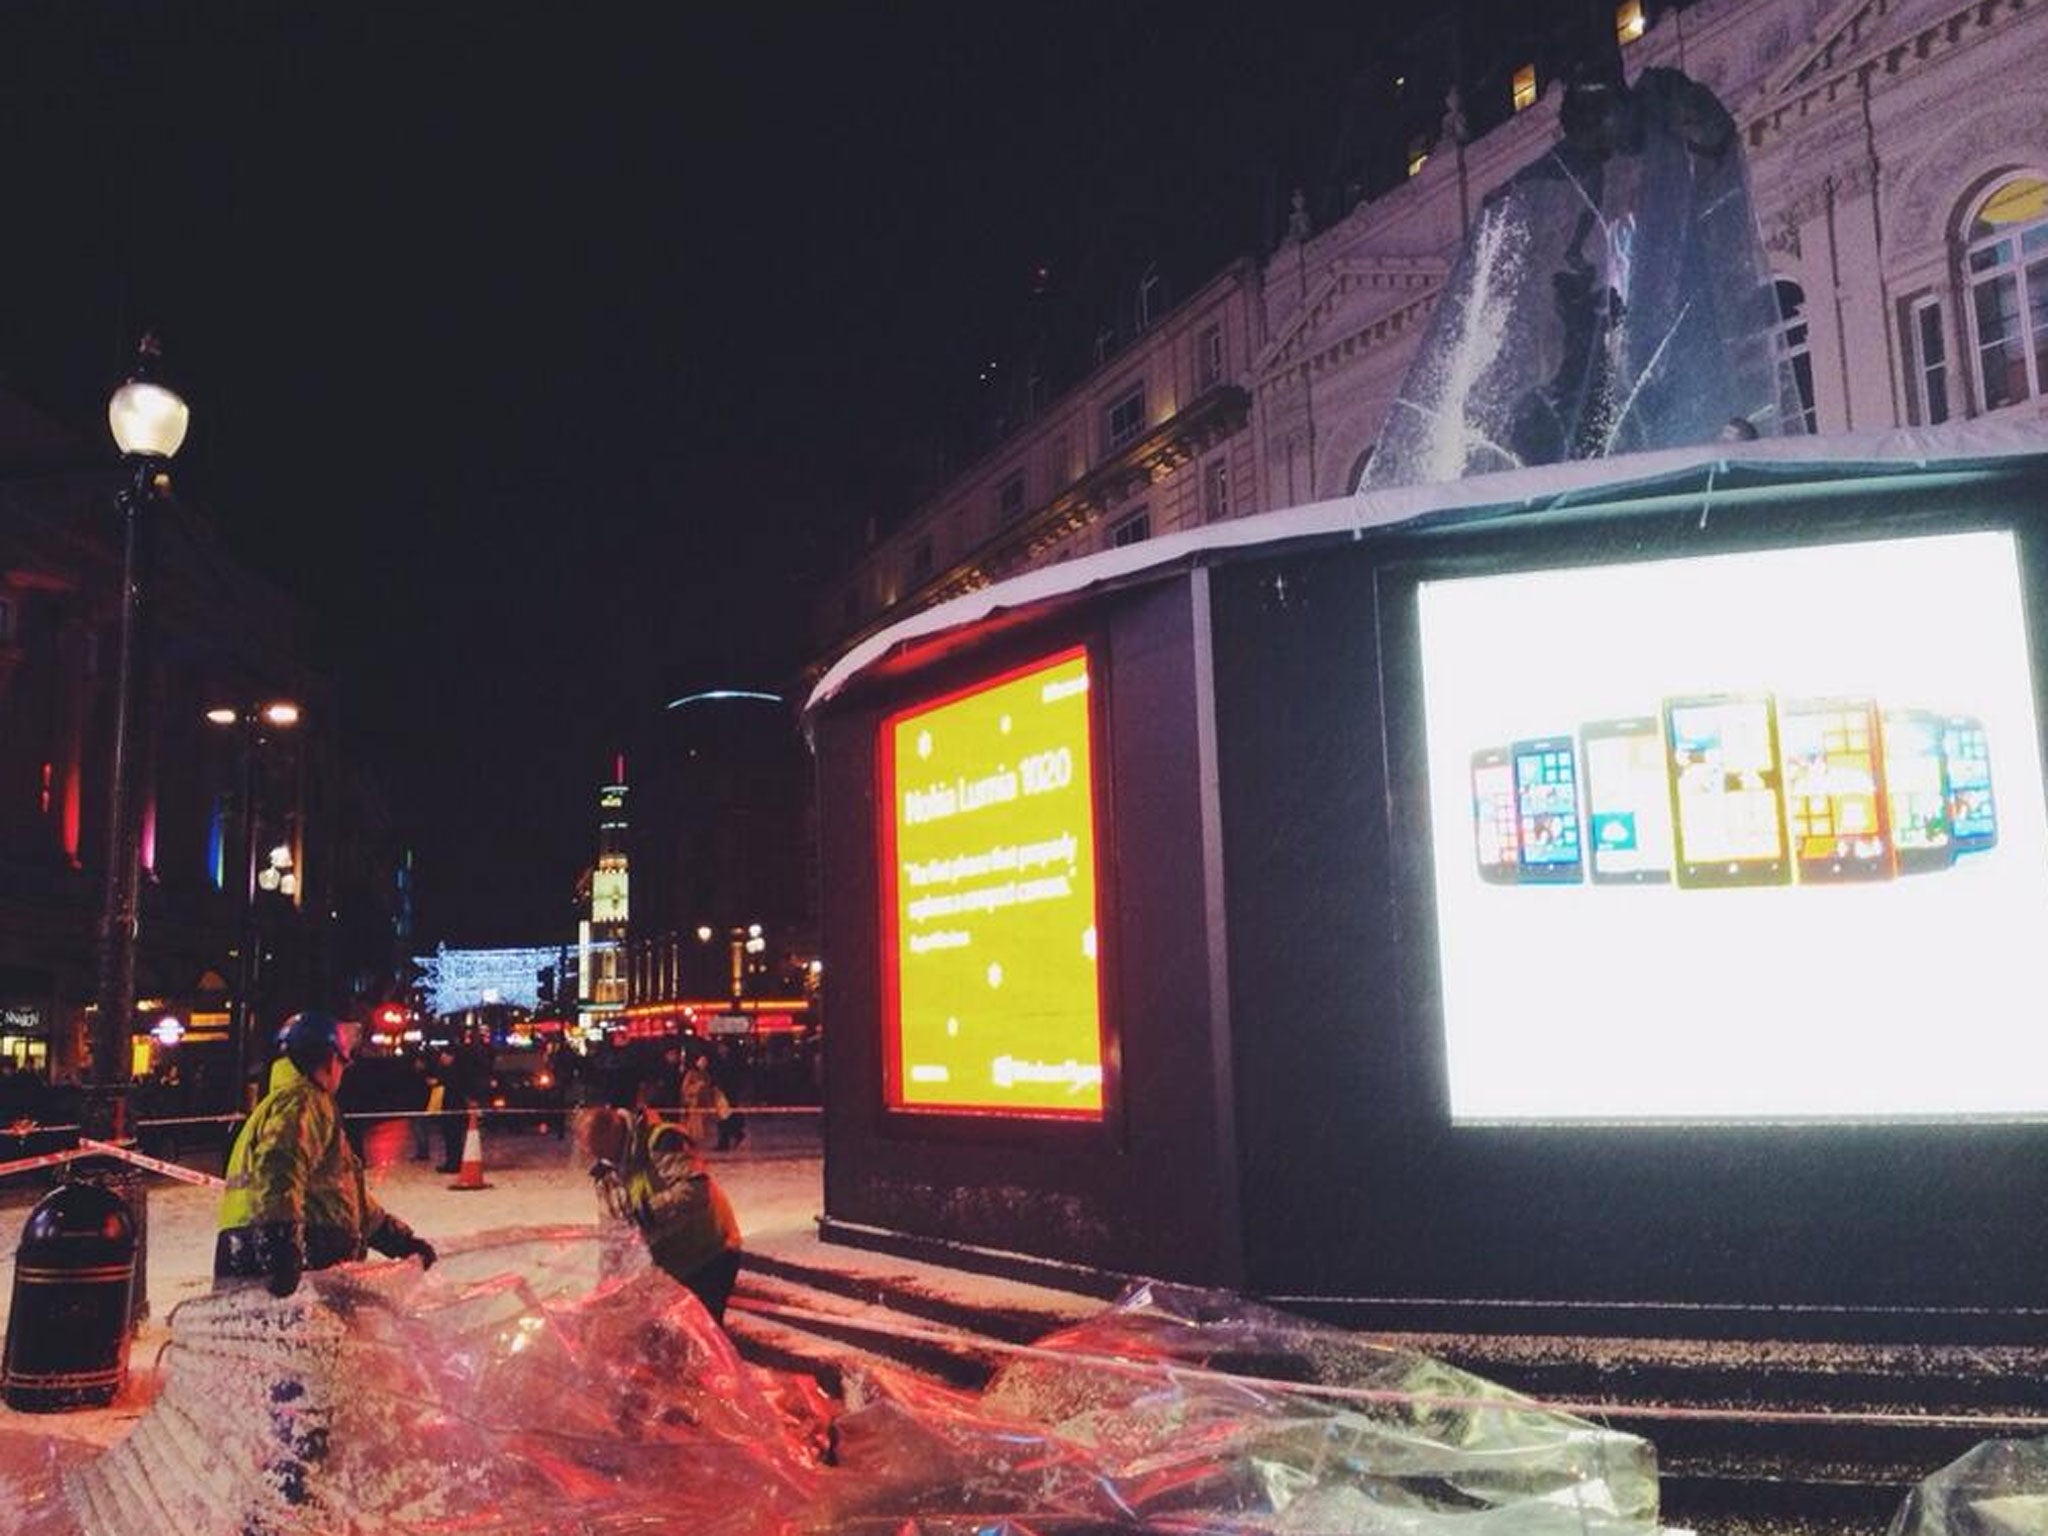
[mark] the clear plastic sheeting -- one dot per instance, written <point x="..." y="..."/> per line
<point x="1611" y="298"/>
<point x="551" y="1381"/>
<point x="1186" y="1410"/>
<point x="540" y="1381"/>
<point x="2000" y="1488"/>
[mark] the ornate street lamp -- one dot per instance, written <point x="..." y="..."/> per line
<point x="148" y="421"/>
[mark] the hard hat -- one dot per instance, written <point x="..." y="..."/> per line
<point x="314" y="1034"/>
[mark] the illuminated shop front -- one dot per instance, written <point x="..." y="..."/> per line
<point x="1611" y="887"/>
<point x="24" y="1036"/>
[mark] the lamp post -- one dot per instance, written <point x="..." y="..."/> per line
<point x="148" y="422"/>
<point x="253" y="724"/>
<point x="745" y="941"/>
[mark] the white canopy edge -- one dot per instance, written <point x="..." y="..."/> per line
<point x="1908" y="448"/>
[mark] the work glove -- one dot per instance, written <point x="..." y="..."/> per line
<point x="395" y="1240"/>
<point x="281" y="1255"/>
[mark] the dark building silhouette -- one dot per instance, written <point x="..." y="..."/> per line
<point x="722" y="857"/>
<point x="219" y="637"/>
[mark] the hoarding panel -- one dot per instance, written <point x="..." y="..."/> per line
<point x="991" y="999"/>
<point x="1831" y="910"/>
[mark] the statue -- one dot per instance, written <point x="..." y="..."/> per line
<point x="1454" y="129"/>
<point x="1611" y="298"/>
<point x="1297" y="219"/>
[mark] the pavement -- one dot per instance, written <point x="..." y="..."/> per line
<point x="775" y="1181"/>
<point x="1774" y="1439"/>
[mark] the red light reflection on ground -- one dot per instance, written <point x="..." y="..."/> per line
<point x="386" y="1143"/>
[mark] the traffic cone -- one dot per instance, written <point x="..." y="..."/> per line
<point x="471" y="1174"/>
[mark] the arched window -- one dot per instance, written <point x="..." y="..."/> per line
<point x="1794" y="353"/>
<point x="2006" y="266"/>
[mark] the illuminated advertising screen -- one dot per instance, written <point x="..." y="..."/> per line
<point x="989" y="895"/>
<point x="1739" y="837"/>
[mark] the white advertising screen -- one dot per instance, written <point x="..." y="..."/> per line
<point x="1740" y="837"/>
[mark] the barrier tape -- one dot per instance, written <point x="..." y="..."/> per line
<point x="41" y="1160"/>
<point x="500" y="1112"/>
<point x="89" y="1148"/>
<point x="176" y="1171"/>
<point x="36" y="1128"/>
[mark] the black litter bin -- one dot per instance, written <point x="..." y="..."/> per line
<point x="67" y="1331"/>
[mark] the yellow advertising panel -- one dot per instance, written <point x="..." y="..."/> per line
<point x="990" y="1000"/>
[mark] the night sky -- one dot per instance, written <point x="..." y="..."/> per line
<point x="549" y="358"/>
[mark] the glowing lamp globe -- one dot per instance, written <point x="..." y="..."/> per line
<point x="147" y="419"/>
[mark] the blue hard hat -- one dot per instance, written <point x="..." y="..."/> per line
<point x="314" y="1034"/>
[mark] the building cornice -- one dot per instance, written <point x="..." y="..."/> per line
<point x="1048" y="421"/>
<point x="1212" y="416"/>
<point x="1407" y="286"/>
<point x="1849" y="61"/>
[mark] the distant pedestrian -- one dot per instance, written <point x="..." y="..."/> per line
<point x="566" y="1067"/>
<point x="426" y="1104"/>
<point x="648" y="1173"/>
<point x="610" y="1083"/>
<point x="447" y="1069"/>
<point x="732" y="1124"/>
<point x="160" y="1098"/>
<point x="700" y="1098"/>
<point x="727" y="1077"/>
<point x="659" y="1087"/>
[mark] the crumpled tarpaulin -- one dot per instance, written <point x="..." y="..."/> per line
<point x="535" y="1381"/>
<point x="1190" y="1410"/>
<point x="550" y="1381"/>
<point x="1999" y="1488"/>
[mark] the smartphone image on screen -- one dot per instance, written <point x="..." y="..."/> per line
<point x="1727" y="820"/>
<point x="1628" y="801"/>
<point x="1493" y="817"/>
<point x="1916" y="782"/>
<point x="1972" y="812"/>
<point x="1835" y="802"/>
<point x="1547" y="810"/>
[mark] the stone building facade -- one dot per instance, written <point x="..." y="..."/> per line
<point x="1898" y="159"/>
<point x="1156" y="438"/>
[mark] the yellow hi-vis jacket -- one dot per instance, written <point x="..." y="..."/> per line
<point x="662" y="1189"/>
<point x="291" y="1164"/>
